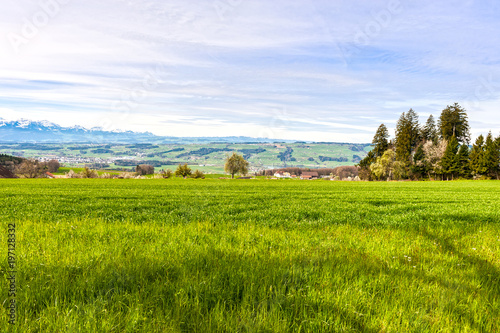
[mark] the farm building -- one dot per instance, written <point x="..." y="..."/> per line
<point x="281" y="174"/>
<point x="309" y="175"/>
<point x="6" y="173"/>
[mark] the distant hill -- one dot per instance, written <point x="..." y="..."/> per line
<point x="209" y="157"/>
<point x="24" y="130"/>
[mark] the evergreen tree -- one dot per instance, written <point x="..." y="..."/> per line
<point x="414" y="127"/>
<point x="380" y="145"/>
<point x="407" y="135"/>
<point x="364" y="166"/>
<point x="453" y="122"/>
<point x="491" y="156"/>
<point x="429" y="131"/>
<point x="476" y="157"/>
<point x="380" y="140"/>
<point x="463" y="161"/>
<point x="449" y="161"/>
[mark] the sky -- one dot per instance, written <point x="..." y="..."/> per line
<point x="312" y="70"/>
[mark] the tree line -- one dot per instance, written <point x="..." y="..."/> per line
<point x="434" y="150"/>
<point x="28" y="168"/>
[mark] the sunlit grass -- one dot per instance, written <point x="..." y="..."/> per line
<point x="192" y="255"/>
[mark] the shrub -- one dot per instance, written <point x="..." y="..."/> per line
<point x="72" y="174"/>
<point x="88" y="173"/>
<point x="183" y="171"/>
<point x="166" y="173"/>
<point x="198" y="174"/>
<point x="106" y="176"/>
<point x="127" y="175"/>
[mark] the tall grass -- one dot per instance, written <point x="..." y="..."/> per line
<point x="254" y="256"/>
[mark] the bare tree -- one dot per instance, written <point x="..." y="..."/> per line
<point x="53" y="165"/>
<point x="30" y="169"/>
<point x="144" y="169"/>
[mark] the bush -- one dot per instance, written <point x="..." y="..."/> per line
<point x="166" y="174"/>
<point x="88" y="173"/>
<point x="72" y="174"/>
<point x="183" y="171"/>
<point x="127" y="175"/>
<point x="106" y="176"/>
<point x="198" y="174"/>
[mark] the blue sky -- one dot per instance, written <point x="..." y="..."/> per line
<point x="295" y="69"/>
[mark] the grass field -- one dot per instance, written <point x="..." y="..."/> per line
<point x="252" y="256"/>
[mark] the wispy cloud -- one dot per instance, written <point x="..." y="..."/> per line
<point x="211" y="68"/>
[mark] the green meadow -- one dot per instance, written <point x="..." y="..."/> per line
<point x="186" y="255"/>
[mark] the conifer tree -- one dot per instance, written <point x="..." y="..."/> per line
<point x="364" y="166"/>
<point x="491" y="156"/>
<point x="449" y="161"/>
<point x="380" y="145"/>
<point x="476" y="157"/>
<point x="453" y="121"/>
<point x="463" y="161"/>
<point x="429" y="131"/>
<point x="380" y="140"/>
<point x="407" y="136"/>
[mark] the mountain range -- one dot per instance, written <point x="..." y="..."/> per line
<point x="24" y="130"/>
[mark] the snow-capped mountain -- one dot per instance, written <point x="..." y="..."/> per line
<point x="24" y="130"/>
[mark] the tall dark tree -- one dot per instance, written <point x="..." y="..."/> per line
<point x="491" y="156"/>
<point x="364" y="166"/>
<point x="380" y="145"/>
<point x="416" y="137"/>
<point x="429" y="131"/>
<point x="463" y="161"/>
<point x="407" y="135"/>
<point x="419" y="168"/>
<point x="449" y="162"/>
<point x="380" y="140"/>
<point x="453" y="122"/>
<point x="476" y="157"/>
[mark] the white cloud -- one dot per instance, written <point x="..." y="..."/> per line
<point x="332" y="65"/>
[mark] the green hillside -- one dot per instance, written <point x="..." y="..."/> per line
<point x="206" y="157"/>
